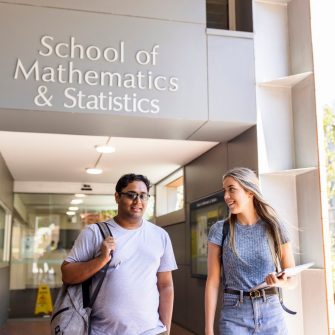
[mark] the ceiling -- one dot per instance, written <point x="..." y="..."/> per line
<point x="64" y="158"/>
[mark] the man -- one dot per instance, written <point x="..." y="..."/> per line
<point x="136" y="297"/>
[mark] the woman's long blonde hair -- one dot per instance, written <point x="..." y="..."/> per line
<point x="249" y="182"/>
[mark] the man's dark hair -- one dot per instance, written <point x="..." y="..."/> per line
<point x="129" y="178"/>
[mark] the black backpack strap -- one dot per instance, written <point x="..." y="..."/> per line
<point x="87" y="301"/>
<point x="85" y="286"/>
<point x="104" y="229"/>
<point x="96" y="291"/>
<point x="225" y="230"/>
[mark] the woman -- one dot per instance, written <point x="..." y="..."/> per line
<point x="255" y="239"/>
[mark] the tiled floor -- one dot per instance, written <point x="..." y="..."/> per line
<point x="26" y="327"/>
<point x="41" y="327"/>
<point x="177" y="330"/>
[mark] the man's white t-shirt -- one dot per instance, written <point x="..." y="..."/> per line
<point x="128" y="301"/>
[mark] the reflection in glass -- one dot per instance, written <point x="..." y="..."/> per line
<point x="2" y="232"/>
<point x="43" y="235"/>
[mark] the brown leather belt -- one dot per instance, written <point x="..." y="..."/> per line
<point x="253" y="294"/>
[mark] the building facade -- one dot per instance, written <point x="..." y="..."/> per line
<point x="165" y="70"/>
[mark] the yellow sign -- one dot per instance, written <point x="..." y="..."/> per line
<point x="43" y="301"/>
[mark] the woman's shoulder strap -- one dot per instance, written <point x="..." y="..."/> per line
<point x="225" y="229"/>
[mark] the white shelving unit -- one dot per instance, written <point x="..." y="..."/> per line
<point x="292" y="172"/>
<point x="288" y="147"/>
<point x="274" y="2"/>
<point x="288" y="81"/>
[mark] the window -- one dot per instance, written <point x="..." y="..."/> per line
<point x="2" y="232"/>
<point x="229" y="14"/>
<point x="45" y="227"/>
<point x="217" y="14"/>
<point x="5" y="230"/>
<point x="44" y="230"/>
<point x="170" y="193"/>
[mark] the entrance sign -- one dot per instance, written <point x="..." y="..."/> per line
<point x="112" y="65"/>
<point x="91" y="52"/>
<point x="144" y="80"/>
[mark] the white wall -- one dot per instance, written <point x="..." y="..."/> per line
<point x="288" y="147"/>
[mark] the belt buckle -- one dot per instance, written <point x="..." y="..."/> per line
<point x="255" y="294"/>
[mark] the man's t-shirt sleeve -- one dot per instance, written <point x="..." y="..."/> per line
<point x="168" y="261"/>
<point x="84" y="246"/>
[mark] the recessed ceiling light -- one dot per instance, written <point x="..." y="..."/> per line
<point x="76" y="201"/>
<point x="73" y="208"/>
<point x="70" y="213"/>
<point x="93" y="171"/>
<point x="80" y="195"/>
<point x="105" y="149"/>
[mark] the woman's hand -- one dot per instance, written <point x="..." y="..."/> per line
<point x="272" y="279"/>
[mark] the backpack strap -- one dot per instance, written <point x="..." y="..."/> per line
<point x="104" y="229"/>
<point x="85" y="287"/>
<point x="225" y="230"/>
<point x="87" y="301"/>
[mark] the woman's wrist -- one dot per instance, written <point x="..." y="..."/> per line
<point x="209" y="330"/>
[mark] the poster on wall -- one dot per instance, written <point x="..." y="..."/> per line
<point x="203" y="214"/>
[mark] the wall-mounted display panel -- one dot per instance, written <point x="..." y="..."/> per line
<point x="203" y="214"/>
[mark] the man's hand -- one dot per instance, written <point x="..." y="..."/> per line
<point x="107" y="247"/>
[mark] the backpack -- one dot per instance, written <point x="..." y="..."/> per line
<point x="73" y="306"/>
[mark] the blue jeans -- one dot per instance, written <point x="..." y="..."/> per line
<point x="244" y="316"/>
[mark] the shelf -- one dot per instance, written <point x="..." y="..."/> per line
<point x="274" y="2"/>
<point x="293" y="172"/>
<point x="171" y="218"/>
<point x="288" y="81"/>
<point x="229" y="33"/>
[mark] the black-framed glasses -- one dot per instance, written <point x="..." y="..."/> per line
<point x="135" y="196"/>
